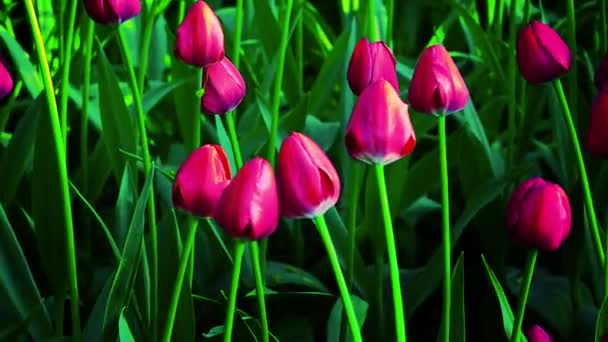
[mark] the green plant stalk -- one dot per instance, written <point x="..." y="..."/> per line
<point x="392" y="253"/>
<point x="604" y="32"/>
<point x="179" y="280"/>
<point x="498" y="16"/>
<point x="234" y="140"/>
<point x="84" y="122"/>
<point x="353" y="201"/>
<point x="595" y="231"/>
<point x="239" y="249"/>
<point x="141" y="123"/>
<point x="390" y="15"/>
<point x="238" y="33"/>
<point x="379" y="273"/>
<point x="445" y="214"/>
<point x="278" y="82"/>
<point x="65" y="76"/>
<point x="59" y="148"/>
<point x="333" y="259"/>
<point x="523" y="295"/>
<point x="300" y="51"/>
<point x="259" y="287"/>
<point x="148" y="23"/>
<point x="181" y="12"/>
<point x="512" y="86"/>
<point x="573" y="88"/>
<point x="372" y="28"/>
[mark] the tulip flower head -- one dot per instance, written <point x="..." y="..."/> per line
<point x="379" y="130"/>
<point x="597" y="139"/>
<point x="437" y="86"/>
<point x="200" y="180"/>
<point x="601" y="74"/>
<point x="371" y="62"/>
<point x="249" y="206"/>
<point x="199" y="40"/>
<point x="224" y="87"/>
<point x="538" y="215"/>
<point x="108" y="12"/>
<point x="6" y="81"/>
<point x="537" y="334"/>
<point x="307" y="180"/>
<point x="542" y="55"/>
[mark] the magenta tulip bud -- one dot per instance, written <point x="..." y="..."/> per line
<point x="108" y="12"/>
<point x="6" y="81"/>
<point x="601" y="74"/>
<point x="536" y="334"/>
<point x="199" y="40"/>
<point x="538" y="215"/>
<point x="597" y="139"/>
<point x="249" y="206"/>
<point x="369" y="63"/>
<point x="437" y="86"/>
<point x="308" y="182"/>
<point x="542" y="55"/>
<point x="379" y="130"/>
<point x="224" y="88"/>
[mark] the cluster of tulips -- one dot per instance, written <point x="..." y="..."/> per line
<point x="247" y="205"/>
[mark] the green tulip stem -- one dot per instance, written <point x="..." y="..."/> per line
<point x="445" y="215"/>
<point x="604" y="32"/>
<point x="239" y="249"/>
<point x="595" y="231"/>
<point x="353" y="200"/>
<point x="234" y="140"/>
<point x="372" y="27"/>
<point x="392" y="254"/>
<point x="59" y="150"/>
<point x="179" y="280"/>
<point x="523" y="295"/>
<point x="151" y="208"/>
<point x="259" y="287"/>
<point x="65" y="76"/>
<point x="390" y="15"/>
<point x="342" y="287"/>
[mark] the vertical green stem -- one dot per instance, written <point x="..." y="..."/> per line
<point x="59" y="148"/>
<point x="512" y="84"/>
<point x="392" y="253"/>
<point x="259" y="287"/>
<point x="179" y="280"/>
<point x="333" y="259"/>
<point x="239" y="249"/>
<point x="390" y="15"/>
<point x="604" y="27"/>
<point x="353" y="201"/>
<point x="148" y="23"/>
<point x="445" y="206"/>
<point x="498" y="16"/>
<point x="573" y="88"/>
<point x="379" y="268"/>
<point x="523" y="295"/>
<point x="141" y="123"/>
<point x="238" y="33"/>
<point x="300" y="51"/>
<point x="65" y="76"/>
<point x="278" y="82"/>
<point x="234" y="140"/>
<point x="181" y="12"/>
<point x="372" y="27"/>
<point x="595" y="231"/>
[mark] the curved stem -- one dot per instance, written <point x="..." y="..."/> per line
<point x="59" y="149"/>
<point x="392" y="254"/>
<point x="445" y="206"/>
<point x="141" y="123"/>
<point x="333" y="259"/>
<point x="239" y="249"/>
<point x="595" y="231"/>
<point x="179" y="280"/>
<point x="278" y="82"/>
<point x="259" y="287"/>
<point x="523" y="295"/>
<point x="65" y="76"/>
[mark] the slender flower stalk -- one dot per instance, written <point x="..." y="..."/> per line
<point x="523" y="295"/>
<point x="594" y="225"/>
<point x="65" y="76"/>
<point x="239" y="249"/>
<point x="573" y="88"/>
<point x="604" y="27"/>
<point x="148" y="20"/>
<point x="446" y="231"/>
<point x="333" y="259"/>
<point x="151" y="208"/>
<point x="392" y="254"/>
<point x="259" y="288"/>
<point x="390" y="15"/>
<point x="58" y="146"/>
<point x="512" y="85"/>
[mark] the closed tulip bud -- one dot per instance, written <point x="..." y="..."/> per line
<point x="200" y="180"/>
<point x="6" y="81"/>
<point x="437" y="86"/>
<point x="308" y="182"/>
<point x="371" y="62"/>
<point x="109" y="12"/>
<point x="199" y="40"/>
<point x="542" y="55"/>
<point x="379" y="130"/>
<point x="249" y="206"/>
<point x="224" y="88"/>
<point x="596" y="139"/>
<point x="601" y="74"/>
<point x="538" y="215"/>
<point x="537" y="334"/>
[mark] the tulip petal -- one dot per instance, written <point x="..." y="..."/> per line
<point x="199" y="40"/>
